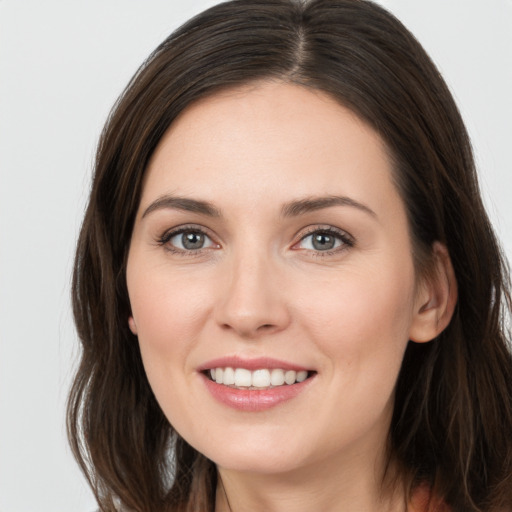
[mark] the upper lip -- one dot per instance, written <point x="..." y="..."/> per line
<point x="252" y="364"/>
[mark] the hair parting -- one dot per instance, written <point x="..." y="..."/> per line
<point x="452" y="421"/>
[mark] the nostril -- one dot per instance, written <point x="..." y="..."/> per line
<point x="266" y="327"/>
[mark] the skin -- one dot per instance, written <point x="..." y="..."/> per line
<point x="259" y="287"/>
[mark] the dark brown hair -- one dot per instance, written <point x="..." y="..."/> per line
<point x="452" y="423"/>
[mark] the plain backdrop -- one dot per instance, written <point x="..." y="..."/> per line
<point x="62" y="65"/>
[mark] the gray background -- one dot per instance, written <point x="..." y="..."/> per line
<point x="62" y="65"/>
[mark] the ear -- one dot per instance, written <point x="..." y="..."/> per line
<point x="132" y="325"/>
<point x="436" y="298"/>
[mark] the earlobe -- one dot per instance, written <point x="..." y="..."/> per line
<point x="132" y="325"/>
<point x="436" y="298"/>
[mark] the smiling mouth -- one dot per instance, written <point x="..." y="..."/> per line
<point x="241" y="378"/>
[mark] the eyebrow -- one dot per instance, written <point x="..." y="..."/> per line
<point x="311" y="204"/>
<point x="182" y="203"/>
<point x="291" y="209"/>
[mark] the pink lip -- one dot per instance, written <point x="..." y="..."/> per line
<point x="254" y="400"/>
<point x="250" y="364"/>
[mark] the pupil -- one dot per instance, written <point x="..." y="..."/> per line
<point x="192" y="240"/>
<point x="323" y="242"/>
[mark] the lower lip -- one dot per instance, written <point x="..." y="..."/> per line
<point x="254" y="400"/>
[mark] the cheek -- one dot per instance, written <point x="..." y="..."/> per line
<point x="361" y="325"/>
<point x="161" y="299"/>
<point x="169" y="313"/>
<point x="364" y="316"/>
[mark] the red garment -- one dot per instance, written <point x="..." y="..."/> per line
<point x="423" y="501"/>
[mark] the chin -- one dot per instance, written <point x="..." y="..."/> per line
<point x="257" y="462"/>
<point x="257" y="455"/>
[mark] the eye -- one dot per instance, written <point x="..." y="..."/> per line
<point x="324" y="240"/>
<point x="186" y="240"/>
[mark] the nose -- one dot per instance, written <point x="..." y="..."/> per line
<point x="253" y="301"/>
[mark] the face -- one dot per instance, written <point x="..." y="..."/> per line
<point x="271" y="245"/>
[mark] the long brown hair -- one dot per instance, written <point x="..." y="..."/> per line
<point x="452" y="423"/>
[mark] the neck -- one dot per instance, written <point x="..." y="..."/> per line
<point x="328" y="486"/>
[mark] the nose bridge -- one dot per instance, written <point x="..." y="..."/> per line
<point x="253" y="302"/>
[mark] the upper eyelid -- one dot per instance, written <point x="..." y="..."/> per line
<point x="346" y="239"/>
<point x="300" y="235"/>
<point x="166" y="236"/>
<point x="319" y="228"/>
<point x="186" y="227"/>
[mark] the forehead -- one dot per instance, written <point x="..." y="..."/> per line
<point x="277" y="139"/>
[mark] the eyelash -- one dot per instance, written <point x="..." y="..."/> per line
<point x="166" y="237"/>
<point x="346" y="240"/>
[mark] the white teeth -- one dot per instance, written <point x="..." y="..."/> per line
<point x="262" y="378"/>
<point x="243" y="378"/>
<point x="277" y="377"/>
<point x="229" y="377"/>
<point x="289" y="377"/>
<point x="302" y="376"/>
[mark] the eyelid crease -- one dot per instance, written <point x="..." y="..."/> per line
<point x="340" y="233"/>
<point x="347" y="240"/>
<point x="166" y="236"/>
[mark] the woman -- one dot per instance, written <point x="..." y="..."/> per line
<point x="288" y="292"/>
